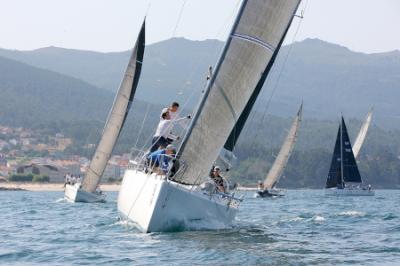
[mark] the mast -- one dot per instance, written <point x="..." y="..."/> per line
<point x="282" y="159"/>
<point x="335" y="172"/>
<point x="362" y="134"/>
<point x="117" y="116"/>
<point x="341" y="151"/>
<point x="255" y="36"/>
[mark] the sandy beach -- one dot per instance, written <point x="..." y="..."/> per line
<point x="50" y="186"/>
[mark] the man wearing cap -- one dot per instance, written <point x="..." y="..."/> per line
<point x="161" y="158"/>
<point x="173" y="111"/>
<point x="218" y="179"/>
<point x="163" y="135"/>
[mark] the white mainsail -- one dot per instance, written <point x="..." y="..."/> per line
<point x="249" y="49"/>
<point x="117" y="116"/>
<point x="281" y="160"/>
<point x="362" y="134"/>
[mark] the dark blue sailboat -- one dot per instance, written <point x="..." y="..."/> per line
<point x="344" y="177"/>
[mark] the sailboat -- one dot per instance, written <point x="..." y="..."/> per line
<point x="88" y="190"/>
<point x="154" y="201"/>
<point x="362" y="134"/>
<point x="344" y="179"/>
<point x="268" y="187"/>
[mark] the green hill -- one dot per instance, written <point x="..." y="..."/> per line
<point x="30" y="96"/>
<point x="328" y="77"/>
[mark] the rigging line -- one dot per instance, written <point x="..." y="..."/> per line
<point x="268" y="81"/>
<point x="195" y="69"/>
<point x="278" y="78"/>
<point x="216" y="50"/>
<point x="148" y="9"/>
<point x="179" y="18"/>
<point x="141" y="127"/>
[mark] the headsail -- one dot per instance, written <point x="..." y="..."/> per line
<point x="117" y="116"/>
<point x="343" y="166"/>
<point x="250" y="47"/>
<point x="362" y="134"/>
<point x="350" y="169"/>
<point x="284" y="154"/>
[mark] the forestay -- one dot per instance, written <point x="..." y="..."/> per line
<point x="281" y="160"/>
<point x="362" y="134"/>
<point x="252" y="42"/>
<point x="117" y="116"/>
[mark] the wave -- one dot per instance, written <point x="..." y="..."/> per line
<point x="352" y="213"/>
<point x="318" y="219"/>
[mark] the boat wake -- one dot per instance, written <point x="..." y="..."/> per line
<point x="60" y="200"/>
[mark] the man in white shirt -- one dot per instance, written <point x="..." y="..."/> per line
<point x="174" y="114"/>
<point x="163" y="133"/>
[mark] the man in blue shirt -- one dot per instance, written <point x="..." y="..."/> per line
<point x="161" y="158"/>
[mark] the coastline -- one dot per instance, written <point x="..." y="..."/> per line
<point x="29" y="186"/>
<point x="22" y="186"/>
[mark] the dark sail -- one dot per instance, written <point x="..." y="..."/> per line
<point x="237" y="129"/>
<point x="117" y="116"/>
<point x="138" y="69"/>
<point x="343" y="157"/>
<point x="350" y="169"/>
<point x="335" y="171"/>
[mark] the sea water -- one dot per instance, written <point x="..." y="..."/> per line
<point x="303" y="228"/>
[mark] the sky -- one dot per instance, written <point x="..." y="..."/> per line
<point x="368" y="26"/>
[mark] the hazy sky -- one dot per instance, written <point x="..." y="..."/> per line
<point x="105" y="25"/>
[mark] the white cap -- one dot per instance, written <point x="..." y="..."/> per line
<point x="164" y="110"/>
<point x="170" y="147"/>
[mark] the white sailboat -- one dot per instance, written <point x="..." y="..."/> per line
<point x="162" y="202"/>
<point x="362" y="134"/>
<point x="268" y="188"/>
<point x="344" y="179"/>
<point x="87" y="191"/>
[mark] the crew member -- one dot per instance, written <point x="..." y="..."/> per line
<point x="218" y="179"/>
<point x="160" y="159"/>
<point x="163" y="132"/>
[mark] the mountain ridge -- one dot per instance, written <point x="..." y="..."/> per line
<point x="329" y="78"/>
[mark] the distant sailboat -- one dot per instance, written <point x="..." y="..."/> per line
<point x="276" y="171"/>
<point x="362" y="134"/>
<point x="344" y="179"/>
<point x="158" y="202"/>
<point x="87" y="191"/>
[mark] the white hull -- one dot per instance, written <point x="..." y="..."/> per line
<point x="156" y="205"/>
<point x="349" y="192"/>
<point x="73" y="193"/>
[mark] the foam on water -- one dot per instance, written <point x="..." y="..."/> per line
<point x="318" y="219"/>
<point x="352" y="213"/>
<point x="60" y="200"/>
